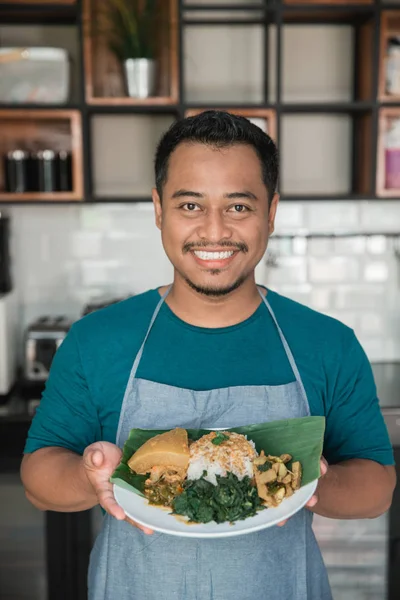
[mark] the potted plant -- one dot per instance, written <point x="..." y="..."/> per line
<point x="131" y="36"/>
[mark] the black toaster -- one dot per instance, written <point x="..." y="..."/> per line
<point x="42" y="340"/>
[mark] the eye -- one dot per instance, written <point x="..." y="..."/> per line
<point x="190" y="207"/>
<point x="239" y="208"/>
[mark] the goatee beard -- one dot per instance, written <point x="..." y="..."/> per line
<point x="215" y="291"/>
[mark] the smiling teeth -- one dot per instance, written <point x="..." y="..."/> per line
<point x="212" y="255"/>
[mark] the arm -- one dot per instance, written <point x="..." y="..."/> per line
<point x="55" y="479"/>
<point x="64" y="469"/>
<point x="355" y="489"/>
<point x="360" y="479"/>
<point x="60" y="480"/>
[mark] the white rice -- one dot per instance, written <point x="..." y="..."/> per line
<point x="218" y="460"/>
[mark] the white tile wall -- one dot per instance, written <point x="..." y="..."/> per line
<point x="66" y="255"/>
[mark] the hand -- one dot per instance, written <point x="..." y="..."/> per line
<point x="314" y="498"/>
<point x="99" y="462"/>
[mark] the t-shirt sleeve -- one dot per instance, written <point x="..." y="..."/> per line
<point x="355" y="427"/>
<point x="66" y="415"/>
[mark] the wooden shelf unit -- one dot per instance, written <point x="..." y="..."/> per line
<point x="101" y="65"/>
<point x="41" y="129"/>
<point x="365" y="107"/>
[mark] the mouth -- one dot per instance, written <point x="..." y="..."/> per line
<point x="214" y="260"/>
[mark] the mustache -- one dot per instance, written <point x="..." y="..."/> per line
<point x="241" y="246"/>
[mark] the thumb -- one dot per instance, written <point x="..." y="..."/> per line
<point x="96" y="458"/>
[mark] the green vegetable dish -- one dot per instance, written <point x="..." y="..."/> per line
<point x="208" y="476"/>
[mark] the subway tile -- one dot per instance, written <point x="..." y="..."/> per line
<point x="298" y="293"/>
<point x="376" y="271"/>
<point x="349" y="245"/>
<point x="86" y="244"/>
<point x="331" y="217"/>
<point x="299" y="245"/>
<point x="97" y="272"/>
<point x="289" y="217"/>
<point x="280" y="246"/>
<point x="360" y="296"/>
<point x="333" y="269"/>
<point x="371" y="324"/>
<point x="321" y="298"/>
<point x="320" y="246"/>
<point x="377" y="244"/>
<point x="380" y="216"/>
<point x="290" y="270"/>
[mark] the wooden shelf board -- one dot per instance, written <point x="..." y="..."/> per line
<point x="119" y="199"/>
<point x="35" y="3"/>
<point x="40" y="197"/>
<point x="386" y="99"/>
<point x="335" y="107"/>
<point x="385" y="193"/>
<point x="222" y="7"/>
<point x="126" y="101"/>
<point x="42" y="107"/>
<point x="43" y="113"/>
<point x="329" y="3"/>
<point x="63" y="12"/>
<point x="327" y="14"/>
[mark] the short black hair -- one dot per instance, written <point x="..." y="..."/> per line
<point x="219" y="129"/>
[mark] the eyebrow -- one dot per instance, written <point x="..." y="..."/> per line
<point x="182" y="193"/>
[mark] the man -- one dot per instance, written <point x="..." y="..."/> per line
<point x="214" y="350"/>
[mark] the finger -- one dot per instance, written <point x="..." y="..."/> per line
<point x="323" y="466"/>
<point x="282" y="523"/>
<point x="145" y="530"/>
<point x="312" y="501"/>
<point x="97" y="458"/>
<point x="93" y="459"/>
<point x="110" y="505"/>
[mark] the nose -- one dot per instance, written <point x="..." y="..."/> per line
<point x="213" y="227"/>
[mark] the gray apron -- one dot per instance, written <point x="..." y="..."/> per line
<point x="280" y="563"/>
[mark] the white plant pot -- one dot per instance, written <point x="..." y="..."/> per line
<point x="140" y="77"/>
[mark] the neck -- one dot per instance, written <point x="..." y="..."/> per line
<point x="208" y="311"/>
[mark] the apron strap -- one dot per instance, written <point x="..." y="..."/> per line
<point x="137" y="360"/>
<point x="153" y="318"/>
<point x="288" y="351"/>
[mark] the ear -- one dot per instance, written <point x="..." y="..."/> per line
<point x="157" y="207"/>
<point x="272" y="214"/>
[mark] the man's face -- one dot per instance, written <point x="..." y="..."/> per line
<point x="214" y="215"/>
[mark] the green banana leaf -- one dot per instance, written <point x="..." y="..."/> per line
<point x="302" y="438"/>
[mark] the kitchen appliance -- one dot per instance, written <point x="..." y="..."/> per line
<point x="42" y="340"/>
<point x="34" y="75"/>
<point x="363" y="556"/>
<point x="8" y="341"/>
<point x="5" y="260"/>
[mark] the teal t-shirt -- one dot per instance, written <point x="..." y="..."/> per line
<point x="83" y="395"/>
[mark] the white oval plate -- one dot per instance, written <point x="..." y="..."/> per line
<point x="138" y="509"/>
